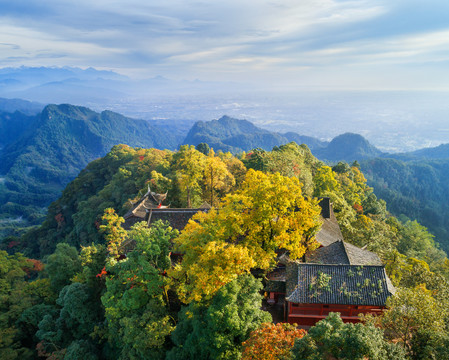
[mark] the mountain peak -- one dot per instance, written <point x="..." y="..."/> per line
<point x="348" y="147"/>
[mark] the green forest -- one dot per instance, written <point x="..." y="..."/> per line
<point x="80" y="286"/>
<point x="414" y="189"/>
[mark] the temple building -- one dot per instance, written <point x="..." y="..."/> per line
<point x="336" y="277"/>
<point x="149" y="208"/>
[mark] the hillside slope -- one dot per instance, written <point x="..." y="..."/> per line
<point x="433" y="153"/>
<point x="418" y="190"/>
<point x="65" y="138"/>
<point x="61" y="141"/>
<point x="12" y="126"/>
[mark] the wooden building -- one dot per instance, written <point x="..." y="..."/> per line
<point x="315" y="290"/>
<point x="336" y="277"/>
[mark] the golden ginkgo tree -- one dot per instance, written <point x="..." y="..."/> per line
<point x="267" y="213"/>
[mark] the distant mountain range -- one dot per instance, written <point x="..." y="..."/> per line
<point x="57" y="143"/>
<point x="98" y="88"/>
<point x="23" y="106"/>
<point x="67" y="84"/>
<point x="434" y="153"/>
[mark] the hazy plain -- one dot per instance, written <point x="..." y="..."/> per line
<point x="394" y="121"/>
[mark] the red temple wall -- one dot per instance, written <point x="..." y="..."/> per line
<point x="309" y="314"/>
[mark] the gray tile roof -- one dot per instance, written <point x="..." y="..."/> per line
<point x="138" y="212"/>
<point x="337" y="284"/>
<point x="359" y="256"/>
<point x="275" y="286"/>
<point x="341" y="252"/>
<point x="330" y="230"/>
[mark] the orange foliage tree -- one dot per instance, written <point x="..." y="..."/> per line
<point x="271" y="342"/>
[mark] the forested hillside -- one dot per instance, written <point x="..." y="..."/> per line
<point x="13" y="125"/>
<point x="22" y="106"/>
<point x="42" y="154"/>
<point x="415" y="190"/>
<point x="97" y="291"/>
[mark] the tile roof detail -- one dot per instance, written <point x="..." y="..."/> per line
<point x="337" y="284"/>
<point x="150" y="200"/>
<point x="275" y="286"/>
<point x="341" y="252"/>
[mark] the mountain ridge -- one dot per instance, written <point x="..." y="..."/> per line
<point x="58" y="143"/>
<point x="235" y="135"/>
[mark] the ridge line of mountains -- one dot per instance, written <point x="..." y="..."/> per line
<point x="69" y="137"/>
<point x="43" y="148"/>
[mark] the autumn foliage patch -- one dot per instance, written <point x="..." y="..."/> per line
<point x="271" y="342"/>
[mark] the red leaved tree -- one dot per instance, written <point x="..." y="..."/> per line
<point x="271" y="342"/>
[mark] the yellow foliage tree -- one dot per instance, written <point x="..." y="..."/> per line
<point x="189" y="166"/>
<point x="114" y="233"/>
<point x="234" y="165"/>
<point x="271" y="342"/>
<point x="267" y="213"/>
<point x="216" y="177"/>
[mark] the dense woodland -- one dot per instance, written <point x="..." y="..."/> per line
<point x="414" y="189"/>
<point x="74" y="288"/>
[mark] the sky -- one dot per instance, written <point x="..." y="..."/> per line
<point x="331" y="44"/>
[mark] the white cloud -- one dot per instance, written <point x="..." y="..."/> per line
<point x="253" y="39"/>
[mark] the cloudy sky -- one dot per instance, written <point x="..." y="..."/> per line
<point x="369" y="44"/>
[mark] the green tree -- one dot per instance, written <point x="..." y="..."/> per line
<point x="203" y="148"/>
<point x="62" y="266"/>
<point x="81" y="350"/>
<point x="17" y="294"/>
<point x="410" y="310"/>
<point x="79" y="313"/>
<point x="216" y="331"/>
<point x="427" y="344"/>
<point x="332" y="339"/>
<point x="136" y="300"/>
<point x="415" y="239"/>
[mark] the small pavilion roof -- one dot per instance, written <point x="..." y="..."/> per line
<point x="150" y="200"/>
